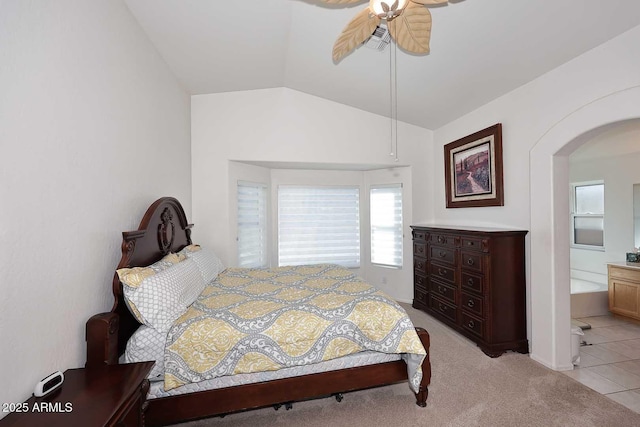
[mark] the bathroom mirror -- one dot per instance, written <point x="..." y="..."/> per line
<point x="636" y="214"/>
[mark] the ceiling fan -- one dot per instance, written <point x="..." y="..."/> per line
<point x="408" y="22"/>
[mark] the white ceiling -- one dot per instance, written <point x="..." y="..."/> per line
<point x="480" y="49"/>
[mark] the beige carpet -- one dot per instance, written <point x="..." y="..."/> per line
<point x="467" y="389"/>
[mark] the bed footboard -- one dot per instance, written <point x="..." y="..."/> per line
<point x="102" y="339"/>
<point x="423" y="393"/>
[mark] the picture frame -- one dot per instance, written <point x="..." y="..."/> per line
<point x="473" y="169"/>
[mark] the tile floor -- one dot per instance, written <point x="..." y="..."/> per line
<point x="610" y="362"/>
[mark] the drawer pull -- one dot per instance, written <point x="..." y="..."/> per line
<point x="420" y="249"/>
<point x="419" y="264"/>
<point x="442" y="290"/>
<point x="470" y="261"/>
<point x="469" y="243"/>
<point x="470" y="281"/>
<point x="442" y="272"/>
<point x="440" y="239"/>
<point x="442" y="254"/>
<point x="442" y="307"/>
<point x="471" y="304"/>
<point x="471" y="324"/>
<point x="419" y="280"/>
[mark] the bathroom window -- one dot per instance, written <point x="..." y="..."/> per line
<point x="587" y="215"/>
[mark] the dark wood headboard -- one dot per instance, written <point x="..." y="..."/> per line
<point x="163" y="229"/>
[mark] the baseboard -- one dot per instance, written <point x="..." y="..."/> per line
<point x="551" y="366"/>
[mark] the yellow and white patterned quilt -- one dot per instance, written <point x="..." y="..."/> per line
<point x="254" y="320"/>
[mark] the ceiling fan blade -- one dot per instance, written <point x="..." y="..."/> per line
<point x="423" y="2"/>
<point x="355" y="33"/>
<point x="412" y="29"/>
<point x="341" y="1"/>
<point x="429" y="1"/>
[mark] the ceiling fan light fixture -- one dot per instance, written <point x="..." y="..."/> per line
<point x="387" y="11"/>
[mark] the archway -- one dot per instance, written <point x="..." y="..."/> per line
<point x="549" y="173"/>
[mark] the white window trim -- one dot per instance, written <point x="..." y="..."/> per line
<point x="573" y="217"/>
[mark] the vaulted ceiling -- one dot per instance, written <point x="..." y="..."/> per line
<point x="480" y="49"/>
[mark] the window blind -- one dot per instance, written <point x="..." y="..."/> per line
<point x="318" y="225"/>
<point x="252" y="225"/>
<point x="386" y="225"/>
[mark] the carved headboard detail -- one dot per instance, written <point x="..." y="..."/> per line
<point x="166" y="231"/>
<point x="163" y="229"/>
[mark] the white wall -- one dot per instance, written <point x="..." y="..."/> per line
<point x="285" y="126"/>
<point x="538" y="120"/>
<point x="93" y="129"/>
<point x="619" y="173"/>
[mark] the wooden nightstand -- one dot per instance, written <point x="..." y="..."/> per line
<point x="109" y="395"/>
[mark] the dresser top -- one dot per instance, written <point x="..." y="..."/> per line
<point x="467" y="228"/>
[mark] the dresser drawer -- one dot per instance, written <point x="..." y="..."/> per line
<point x="420" y="281"/>
<point x="440" y="307"/>
<point x="473" y="325"/>
<point x="419" y="235"/>
<point x="472" y="303"/>
<point x="444" y="239"/>
<point x="420" y="265"/>
<point x="471" y="261"/>
<point x="446" y="292"/>
<point x="472" y="244"/>
<point x="420" y="297"/>
<point x="472" y="282"/>
<point x="420" y="249"/>
<point x="442" y="254"/>
<point x="442" y="272"/>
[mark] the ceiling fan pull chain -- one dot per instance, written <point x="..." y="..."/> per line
<point x="391" y="151"/>
<point x="395" y="80"/>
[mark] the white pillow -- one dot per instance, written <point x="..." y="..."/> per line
<point x="208" y="262"/>
<point x="147" y="344"/>
<point x="133" y="277"/>
<point x="162" y="298"/>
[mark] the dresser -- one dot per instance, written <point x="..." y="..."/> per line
<point x="107" y="395"/>
<point x="473" y="280"/>
<point x="624" y="289"/>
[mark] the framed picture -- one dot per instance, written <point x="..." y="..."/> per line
<point x="473" y="169"/>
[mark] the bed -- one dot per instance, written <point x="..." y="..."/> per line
<point x="165" y="230"/>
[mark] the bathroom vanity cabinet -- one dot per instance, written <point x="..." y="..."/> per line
<point x="624" y="289"/>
